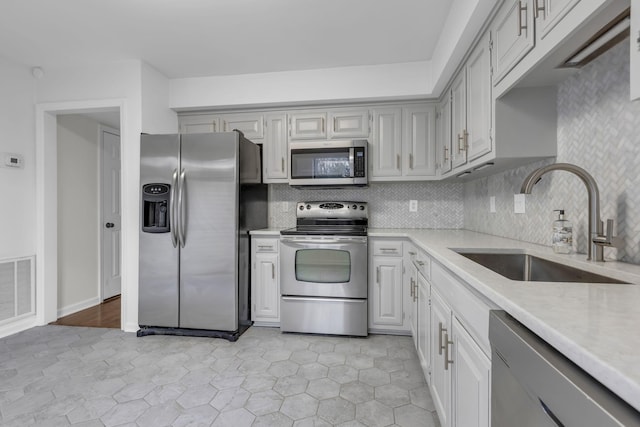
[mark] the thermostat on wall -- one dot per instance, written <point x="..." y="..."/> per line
<point x="13" y="160"/>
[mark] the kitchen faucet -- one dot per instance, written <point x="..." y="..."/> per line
<point x="597" y="240"/>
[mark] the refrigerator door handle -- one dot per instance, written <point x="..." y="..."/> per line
<point x="173" y="224"/>
<point x="181" y="185"/>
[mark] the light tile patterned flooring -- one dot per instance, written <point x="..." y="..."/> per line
<point x="62" y="375"/>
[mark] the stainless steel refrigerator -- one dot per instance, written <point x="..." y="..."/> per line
<point x="200" y="195"/>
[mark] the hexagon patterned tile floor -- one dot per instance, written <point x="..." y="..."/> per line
<point x="61" y="375"/>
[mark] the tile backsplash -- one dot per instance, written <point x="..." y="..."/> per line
<point x="440" y="205"/>
<point x="598" y="130"/>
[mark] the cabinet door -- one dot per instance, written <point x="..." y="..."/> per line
<point x="386" y="159"/>
<point x="349" y="124"/>
<point x="443" y="127"/>
<point x="471" y="376"/>
<point x="419" y="138"/>
<point x="440" y="366"/>
<point x="549" y="12"/>
<point x="308" y="126"/>
<point x="459" y="120"/>
<point x="266" y="292"/>
<point x="275" y="148"/>
<point x="424" y="326"/>
<point x="202" y="123"/>
<point x="250" y="124"/>
<point x="635" y="50"/>
<point x="412" y="281"/>
<point x="386" y="308"/>
<point x="513" y="36"/>
<point x="479" y="99"/>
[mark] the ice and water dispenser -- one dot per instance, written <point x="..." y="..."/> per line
<point x="155" y="208"/>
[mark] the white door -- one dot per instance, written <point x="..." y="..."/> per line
<point x="110" y="207"/>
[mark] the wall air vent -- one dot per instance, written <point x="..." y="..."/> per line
<point x="610" y="35"/>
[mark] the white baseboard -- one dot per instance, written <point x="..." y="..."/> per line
<point x="74" y="308"/>
<point x="18" y="326"/>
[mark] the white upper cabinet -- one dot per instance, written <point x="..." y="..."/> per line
<point x="479" y="102"/>
<point x="419" y="138"/>
<point x="386" y="144"/>
<point x="459" y="120"/>
<point x="308" y="125"/>
<point x="514" y="35"/>
<point x="250" y="124"/>
<point x="443" y="130"/>
<point x="635" y="50"/>
<point x="275" y="149"/>
<point x="549" y="12"/>
<point x="348" y="124"/>
<point x="200" y="123"/>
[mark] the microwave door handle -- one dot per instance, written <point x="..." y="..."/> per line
<point x="352" y="171"/>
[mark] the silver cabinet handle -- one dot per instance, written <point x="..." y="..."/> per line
<point x="415" y="292"/>
<point x="411" y="253"/>
<point x="181" y="209"/>
<point x="521" y="9"/>
<point x="446" y="152"/>
<point x="282" y="164"/>
<point x="440" y="331"/>
<point x="269" y="247"/>
<point x="410" y="160"/>
<point x="388" y="249"/>
<point x="420" y="263"/>
<point x="273" y="271"/>
<point x="173" y="223"/>
<point x="378" y="274"/>
<point x="539" y="8"/>
<point x="462" y="138"/>
<point x="322" y="119"/>
<point x="398" y="160"/>
<point x="412" y="290"/>
<point x="447" y="361"/>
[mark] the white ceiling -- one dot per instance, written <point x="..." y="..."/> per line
<point x="190" y="38"/>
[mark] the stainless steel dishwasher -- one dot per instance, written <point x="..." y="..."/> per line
<point x="532" y="384"/>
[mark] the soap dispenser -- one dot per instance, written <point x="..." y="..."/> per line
<point x="562" y="242"/>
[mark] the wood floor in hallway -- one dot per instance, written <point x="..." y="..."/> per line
<point x="104" y="315"/>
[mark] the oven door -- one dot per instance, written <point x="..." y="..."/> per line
<point x="323" y="266"/>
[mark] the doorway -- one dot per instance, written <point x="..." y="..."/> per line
<point x="49" y="235"/>
<point x="89" y="217"/>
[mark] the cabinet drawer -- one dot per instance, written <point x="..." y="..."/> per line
<point x="386" y="248"/>
<point x="265" y="245"/>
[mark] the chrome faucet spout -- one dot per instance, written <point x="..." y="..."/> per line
<point x="596" y="251"/>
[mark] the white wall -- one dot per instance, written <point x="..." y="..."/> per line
<point x="376" y="82"/>
<point x="17" y="186"/>
<point x="156" y="116"/>
<point x="78" y="213"/>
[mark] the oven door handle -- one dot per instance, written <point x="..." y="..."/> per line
<point x="300" y="242"/>
<point x="320" y="299"/>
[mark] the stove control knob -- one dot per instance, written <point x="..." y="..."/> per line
<point x="308" y="207"/>
<point x="361" y="207"/>
<point x="301" y="208"/>
<point x="354" y="207"/>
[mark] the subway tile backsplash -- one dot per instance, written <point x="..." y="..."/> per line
<point x="598" y="130"/>
<point x="440" y="205"/>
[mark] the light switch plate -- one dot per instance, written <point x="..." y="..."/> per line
<point x="518" y="203"/>
<point x="492" y="204"/>
<point x="413" y="206"/>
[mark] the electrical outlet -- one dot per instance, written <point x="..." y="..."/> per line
<point x="518" y="203"/>
<point x="413" y="206"/>
<point x="492" y="204"/>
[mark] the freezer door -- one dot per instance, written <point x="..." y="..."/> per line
<point x="208" y="269"/>
<point x="158" y="260"/>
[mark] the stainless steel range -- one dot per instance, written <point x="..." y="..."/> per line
<point x="323" y="266"/>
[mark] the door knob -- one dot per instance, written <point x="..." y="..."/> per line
<point x="109" y="225"/>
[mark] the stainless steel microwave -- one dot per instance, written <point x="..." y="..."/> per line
<point x="328" y="163"/>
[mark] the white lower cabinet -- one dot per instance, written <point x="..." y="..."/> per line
<point x="386" y="287"/>
<point x="423" y="300"/>
<point x="471" y="378"/>
<point x="440" y="369"/>
<point x="265" y="282"/>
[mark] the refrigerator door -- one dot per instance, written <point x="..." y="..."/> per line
<point x="208" y="260"/>
<point x="158" y="268"/>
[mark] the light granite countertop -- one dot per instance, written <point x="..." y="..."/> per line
<point x="597" y="326"/>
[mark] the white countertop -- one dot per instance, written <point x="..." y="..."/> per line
<point x="597" y="326"/>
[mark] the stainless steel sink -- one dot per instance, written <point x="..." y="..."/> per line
<point x="524" y="267"/>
